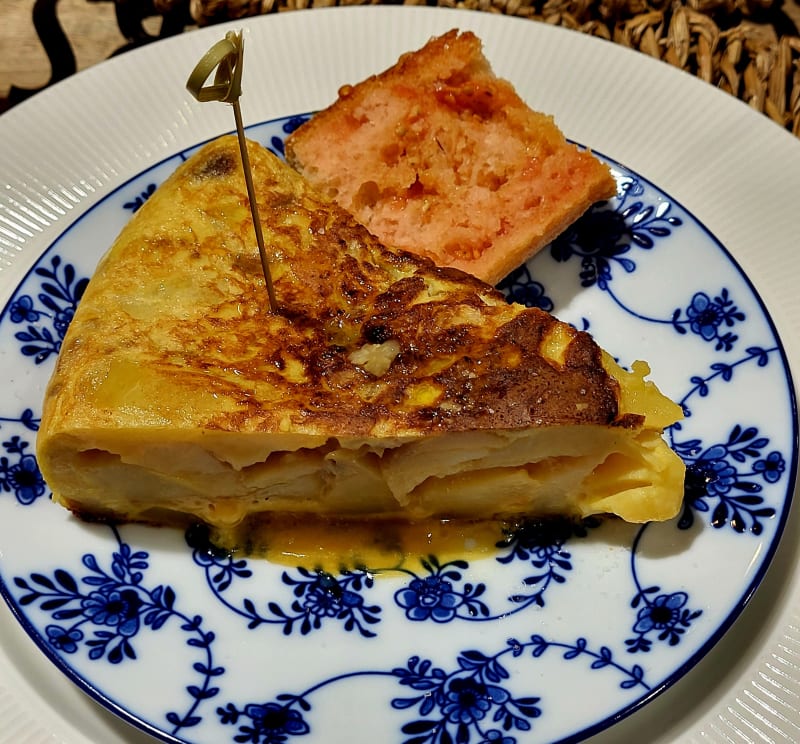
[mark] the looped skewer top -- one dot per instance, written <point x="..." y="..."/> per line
<point x="226" y="58"/>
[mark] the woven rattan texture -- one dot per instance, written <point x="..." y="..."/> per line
<point x="749" y="48"/>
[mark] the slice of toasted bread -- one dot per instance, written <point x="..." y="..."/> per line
<point x="439" y="156"/>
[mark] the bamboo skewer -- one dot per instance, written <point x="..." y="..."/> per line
<point x="226" y="57"/>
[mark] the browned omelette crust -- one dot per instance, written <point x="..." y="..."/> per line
<point x="184" y="317"/>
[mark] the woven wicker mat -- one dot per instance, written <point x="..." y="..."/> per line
<point x="749" y="48"/>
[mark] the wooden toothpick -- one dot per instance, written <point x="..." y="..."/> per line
<point x="226" y="58"/>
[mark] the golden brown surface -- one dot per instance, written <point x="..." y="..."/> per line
<point x="438" y="156"/>
<point x="182" y="298"/>
<point x="384" y="387"/>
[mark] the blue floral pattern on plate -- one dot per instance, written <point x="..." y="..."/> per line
<point x="465" y="650"/>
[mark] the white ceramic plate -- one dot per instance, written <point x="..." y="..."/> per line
<point x="660" y="597"/>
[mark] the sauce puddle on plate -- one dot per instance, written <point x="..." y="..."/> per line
<point x="340" y="545"/>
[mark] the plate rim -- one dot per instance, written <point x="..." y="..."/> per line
<point x="769" y="314"/>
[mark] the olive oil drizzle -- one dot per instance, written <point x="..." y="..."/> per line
<point x="377" y="546"/>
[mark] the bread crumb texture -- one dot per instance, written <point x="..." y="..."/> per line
<point x="439" y="156"/>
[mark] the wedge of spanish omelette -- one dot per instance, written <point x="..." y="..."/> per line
<point x="384" y="388"/>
